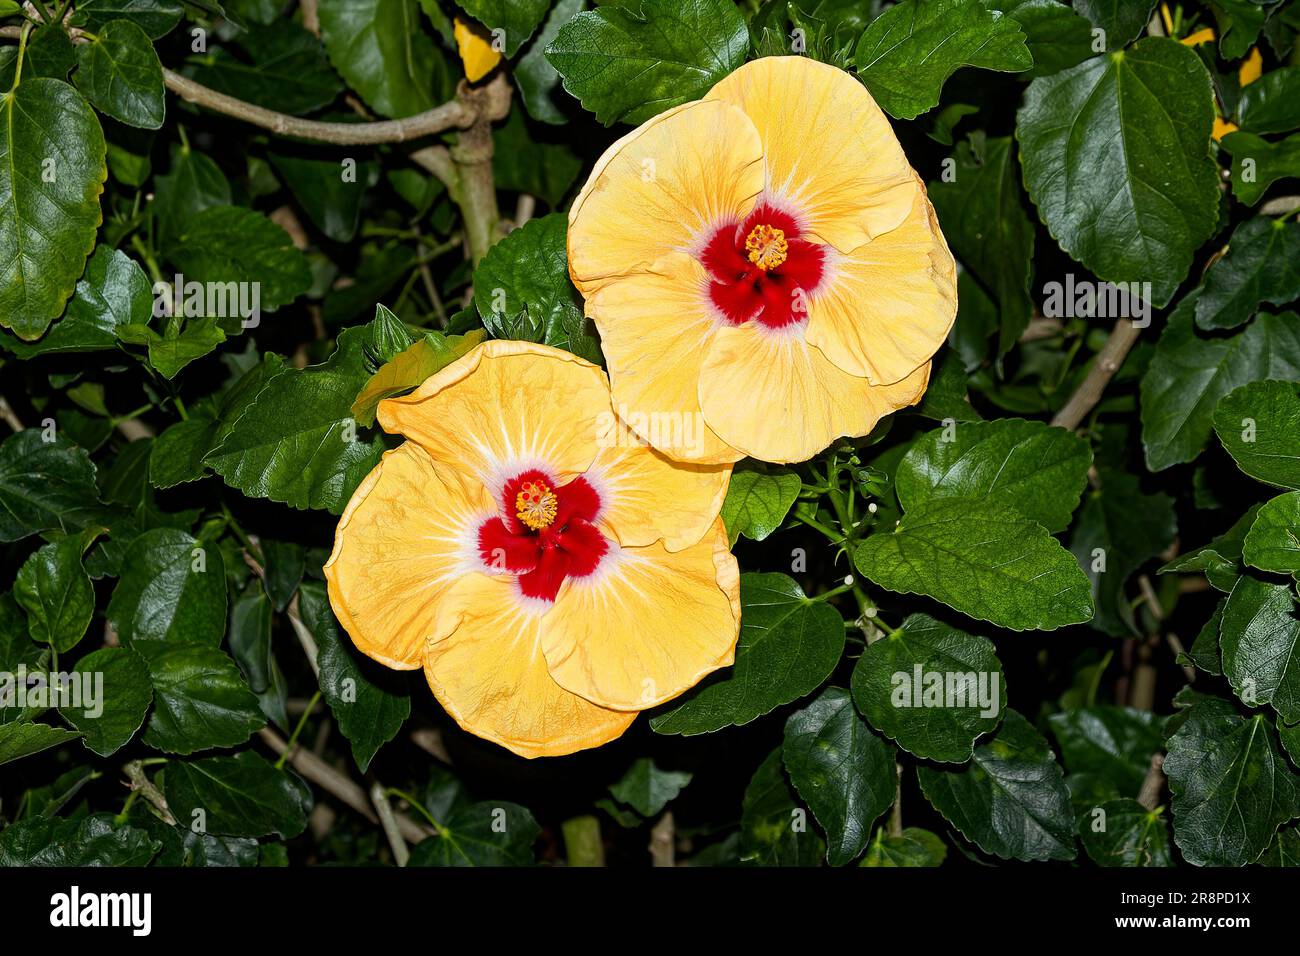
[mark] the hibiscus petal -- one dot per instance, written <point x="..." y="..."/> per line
<point x="661" y="188"/>
<point x="830" y="151"/>
<point x="778" y="399"/>
<point x="655" y="330"/>
<point x="504" y="408"/>
<point x="404" y="539"/>
<point x="886" y="307"/>
<point x="648" y="625"/>
<point x="490" y="676"/>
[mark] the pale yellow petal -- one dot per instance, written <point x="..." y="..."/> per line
<point x="830" y="151"/>
<point x="504" y="407"/>
<point x="664" y="187"/>
<point x="655" y="329"/>
<point x="404" y="539"/>
<point x="648" y="625"/>
<point x="778" y="399"/>
<point x="490" y="675"/>
<point x="886" y="307"/>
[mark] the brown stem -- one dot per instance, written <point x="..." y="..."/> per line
<point x="1149" y="795"/>
<point x="663" y="849"/>
<point x="388" y="820"/>
<point x="1122" y="338"/>
<point x="9" y="416"/>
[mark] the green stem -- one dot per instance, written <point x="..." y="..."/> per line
<point x="293" y="737"/>
<point x="22" y="50"/>
<point x="417" y="806"/>
<point x="582" y="842"/>
<point x="233" y="524"/>
<point x="834" y="592"/>
<point x="831" y="535"/>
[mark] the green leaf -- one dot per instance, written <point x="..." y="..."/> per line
<point x="120" y="73"/>
<point x="841" y="769"/>
<point x="1204" y="653"/>
<point x="55" y="591"/>
<point x="910" y="50"/>
<point x="330" y="200"/>
<point x="647" y="789"/>
<point x="200" y="699"/>
<point x="1259" y="425"/>
<point x="631" y="63"/>
<point x="538" y="167"/>
<point x="983" y="218"/>
<point x="193" y="184"/>
<point x="19" y="655"/>
<point x="1122" y="20"/>
<point x="522" y="289"/>
<point x="930" y="688"/>
<point x="1257" y="163"/>
<point x="1010" y="800"/>
<point x="123" y="700"/>
<point x="1031" y="467"/>
<point x="538" y="81"/>
<point x="156" y="17"/>
<point x="114" y="291"/>
<point x="44" y="486"/>
<point x="1115" y="156"/>
<point x="287" y="70"/>
<point x="97" y="840"/>
<point x="297" y="442"/>
<point x="1057" y="37"/>
<point x="369" y="702"/>
<point x="1284" y="850"/>
<point x="788" y="646"/>
<point x="1239" y="22"/>
<point x="1114" y="743"/>
<point x="175" y="348"/>
<point x="1232" y="787"/>
<point x="516" y="19"/>
<point x="1260" y="640"/>
<point x="249" y="638"/>
<point x="492" y="833"/>
<point x="285" y="565"/>
<point x="240" y="796"/>
<point x="983" y="560"/>
<point x="1262" y="265"/>
<point x="20" y="739"/>
<point x="1118" y="530"/>
<point x="429" y="355"/>
<point x="1272" y="103"/>
<point x="1273" y="542"/>
<point x="225" y="244"/>
<point x="914" y="848"/>
<point x="48" y="223"/>
<point x="379" y="48"/>
<point x="757" y="502"/>
<point x="1125" y="833"/>
<point x="172" y="588"/>
<point x="774" y="830"/>
<point x="1189" y="374"/>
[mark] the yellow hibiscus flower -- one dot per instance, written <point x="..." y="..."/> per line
<point x="766" y="260"/>
<point x="551" y="574"/>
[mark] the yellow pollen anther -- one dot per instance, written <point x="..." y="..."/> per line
<point x="767" y="247"/>
<point x="535" y="505"/>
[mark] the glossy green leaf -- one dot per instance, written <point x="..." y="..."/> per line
<point x="52" y="170"/>
<point x="20" y="739"/>
<point x="914" y="848"/>
<point x="1272" y="103"/>
<point x="931" y="688"/>
<point x="647" y="788"/>
<point x="538" y="80"/>
<point x="121" y="74"/>
<point x="1010" y="800"/>
<point x="1057" y="37"/>
<point x="429" y="355"/>
<point x="910" y="50"/>
<point x="97" y="840"/>
<point x="1273" y="542"/>
<point x="380" y="49"/>
<point x="757" y="502"/>
<point x="631" y="63"/>
<point x="1260" y="641"/>
<point x="225" y="244"/>
<point x="200" y="699"/>
<point x="774" y="829"/>
<point x="55" y="591"/>
<point x="1121" y="20"/>
<point x="172" y="588"/>
<point x="1231" y="786"/>
<point x="983" y="560"/>
<point x="513" y="20"/>
<point x="1259" y="425"/>
<point x="285" y="69"/>
<point x="788" y="646"/>
<point x="1125" y="833"/>
<point x="1115" y="156"/>
<point x="841" y="769"/>
<point x="1114" y="743"/>
<point x="1257" y="163"/>
<point x="123" y="699"/>
<point x="491" y="833"/>
<point x="1262" y="265"/>
<point x="156" y="17"/>
<point x="243" y="795"/>
<point x="1036" y="469"/>
<point x="44" y="485"/>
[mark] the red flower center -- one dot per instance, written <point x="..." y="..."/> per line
<point x="763" y="269"/>
<point x="546" y="533"/>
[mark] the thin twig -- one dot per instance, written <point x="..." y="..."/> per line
<point x="9" y="416"/>
<point x="140" y="781"/>
<point x="1088" y="394"/>
<point x="305" y="637"/>
<point x="388" y="821"/>
<point x="1149" y="795"/>
<point x="663" y="841"/>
